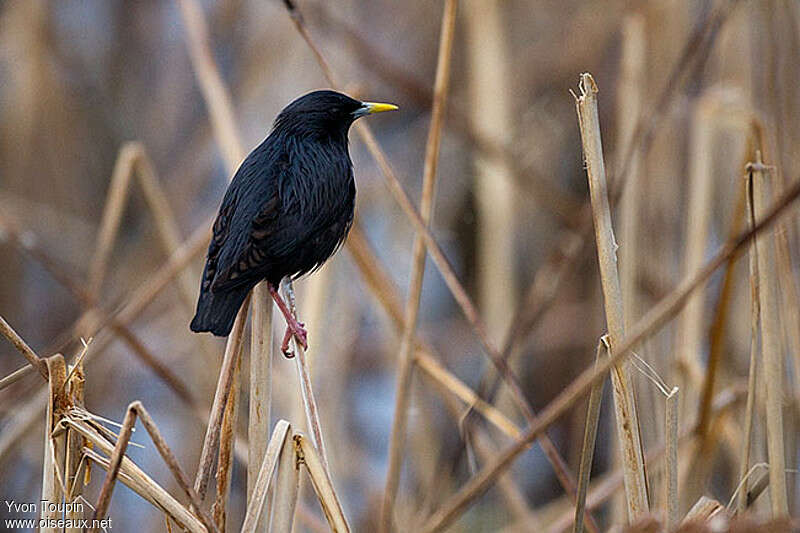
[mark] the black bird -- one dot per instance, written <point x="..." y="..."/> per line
<point x="287" y="210"/>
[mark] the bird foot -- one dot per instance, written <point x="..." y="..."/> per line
<point x="297" y="330"/>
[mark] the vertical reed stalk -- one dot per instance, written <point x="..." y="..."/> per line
<point x="755" y="313"/>
<point x="489" y="77"/>
<point x="260" y="390"/>
<point x="624" y="401"/>
<point x="770" y="340"/>
<point x="306" y="389"/>
<point x="671" y="460"/>
<point x="54" y="445"/>
<point x="405" y="360"/>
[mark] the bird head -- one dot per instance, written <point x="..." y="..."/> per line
<point x="325" y="113"/>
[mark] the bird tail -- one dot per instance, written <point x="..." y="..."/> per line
<point x="216" y="311"/>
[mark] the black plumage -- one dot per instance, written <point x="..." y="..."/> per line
<point x="286" y="211"/>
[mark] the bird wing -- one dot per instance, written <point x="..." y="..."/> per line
<point x="218" y="239"/>
<point x="248" y="257"/>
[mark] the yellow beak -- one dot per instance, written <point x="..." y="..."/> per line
<point x="373" y="107"/>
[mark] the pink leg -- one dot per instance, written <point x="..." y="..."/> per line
<point x="293" y="327"/>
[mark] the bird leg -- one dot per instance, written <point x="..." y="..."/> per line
<point x="293" y="327"/>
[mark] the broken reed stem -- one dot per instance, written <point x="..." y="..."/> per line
<point x="286" y="486"/>
<point x="308" y="455"/>
<point x="589" y="438"/>
<point x="755" y="313"/>
<point x="258" y="420"/>
<point x="22" y="347"/>
<point x="53" y="486"/>
<point x="405" y="360"/>
<point x="770" y="339"/>
<point x="624" y="400"/>
<point x="654" y="319"/>
<point x="258" y="496"/>
<point x="671" y="459"/>
<point x="224" y="384"/>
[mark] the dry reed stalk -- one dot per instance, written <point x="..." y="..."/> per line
<point x="755" y="313"/>
<point x="488" y="75"/>
<point x="164" y="218"/>
<point x="215" y="94"/>
<point x="286" y="487"/>
<point x="629" y="108"/>
<point x="260" y="403"/>
<point x="703" y="510"/>
<point x="221" y="397"/>
<point x="53" y="486"/>
<point x="671" y="460"/>
<point x="318" y="472"/>
<point x="22" y="347"/>
<point x="770" y="339"/>
<point x="691" y="329"/>
<point x="655" y="318"/>
<point x="624" y="400"/>
<point x="405" y="359"/>
<point x="258" y="496"/>
<point x="227" y="441"/>
<point x="111" y="218"/>
<point x="632" y="86"/>
<point x="306" y="390"/>
<point x="589" y="438"/>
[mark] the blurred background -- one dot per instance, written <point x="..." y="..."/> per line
<point x="80" y="80"/>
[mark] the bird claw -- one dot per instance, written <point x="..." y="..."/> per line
<point x="298" y="331"/>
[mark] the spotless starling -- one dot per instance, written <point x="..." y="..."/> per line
<point x="287" y="210"/>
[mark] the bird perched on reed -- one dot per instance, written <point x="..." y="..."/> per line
<point x="287" y="210"/>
